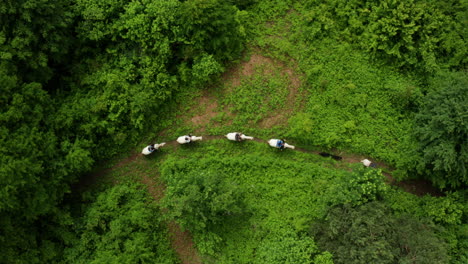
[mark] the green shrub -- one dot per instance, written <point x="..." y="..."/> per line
<point x="201" y="200"/>
<point x="362" y="186"/>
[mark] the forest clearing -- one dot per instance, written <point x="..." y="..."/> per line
<point x="88" y="84"/>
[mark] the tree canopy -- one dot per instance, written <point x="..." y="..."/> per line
<point x="120" y="225"/>
<point x="442" y="131"/>
<point x="371" y="234"/>
<point x="80" y="79"/>
<point x="83" y="81"/>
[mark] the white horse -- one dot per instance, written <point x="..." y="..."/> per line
<point x="369" y="163"/>
<point x="151" y="148"/>
<point x="188" y="139"/>
<point x="275" y="143"/>
<point x="236" y="136"/>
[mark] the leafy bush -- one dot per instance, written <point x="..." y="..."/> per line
<point x="364" y="185"/>
<point x="449" y="210"/>
<point x="361" y="186"/>
<point x="324" y="258"/>
<point x="201" y="200"/>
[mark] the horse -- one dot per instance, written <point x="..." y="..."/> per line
<point x="325" y="154"/>
<point x="151" y="148"/>
<point x="276" y="144"/>
<point x="187" y="139"/>
<point x="236" y="136"/>
<point x="369" y="163"/>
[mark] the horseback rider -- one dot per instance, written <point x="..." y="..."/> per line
<point x="151" y="148"/>
<point x="280" y="144"/>
<point x="238" y="137"/>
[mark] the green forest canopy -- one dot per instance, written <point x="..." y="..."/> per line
<point x="83" y="79"/>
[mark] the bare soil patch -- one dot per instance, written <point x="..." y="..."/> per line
<point x="182" y="243"/>
<point x="419" y="187"/>
<point x="155" y="188"/>
<point x="268" y="66"/>
<point x="206" y="110"/>
<point x="234" y="75"/>
<point x="256" y="63"/>
<point x="208" y="105"/>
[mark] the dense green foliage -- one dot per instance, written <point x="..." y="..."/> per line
<point x="35" y="163"/>
<point x="423" y="34"/>
<point x="371" y="234"/>
<point x="352" y="214"/>
<point x="200" y="200"/>
<point x="364" y="185"/>
<point x="84" y="80"/>
<point x="442" y="130"/>
<point x="81" y="79"/>
<point x="356" y="102"/>
<point x="120" y="225"/>
<point x="139" y="55"/>
<point x="246" y="208"/>
<point x="127" y="64"/>
<point x="35" y="38"/>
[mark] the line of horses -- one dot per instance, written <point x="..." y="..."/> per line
<point x="237" y="136"/>
<point x="234" y="136"/>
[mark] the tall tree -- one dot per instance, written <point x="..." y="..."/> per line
<point x="442" y="130"/>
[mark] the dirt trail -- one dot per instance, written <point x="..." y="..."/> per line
<point x="418" y="187"/>
<point x="181" y="241"/>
